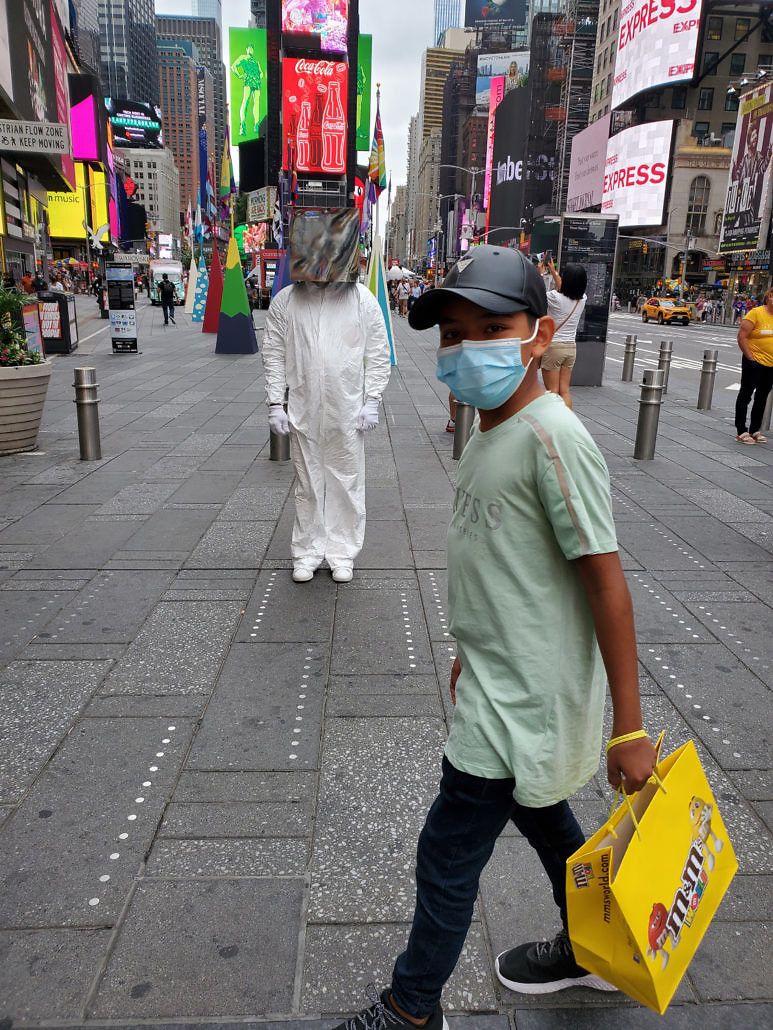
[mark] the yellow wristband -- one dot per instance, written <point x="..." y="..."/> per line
<point x="625" y="737"/>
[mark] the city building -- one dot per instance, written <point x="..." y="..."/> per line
<point x="206" y="33"/>
<point x="412" y="179"/>
<point x="396" y="235"/>
<point x="448" y="14"/>
<point x="157" y="184"/>
<point x="209" y="9"/>
<point x="258" y="13"/>
<point x="127" y="40"/>
<point x="85" y="30"/>
<point x="179" y="73"/>
<point x="435" y="66"/>
<point x="428" y="193"/>
<point x="577" y="31"/>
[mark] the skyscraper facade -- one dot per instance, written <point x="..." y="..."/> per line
<point x="209" y="9"/>
<point x="447" y="16"/>
<point x="127" y="39"/>
<point x="86" y="33"/>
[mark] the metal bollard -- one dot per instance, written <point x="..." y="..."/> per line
<point x="87" y="406"/>
<point x="278" y="445"/>
<point x="708" y="374"/>
<point x="767" y="412"/>
<point x="629" y="358"/>
<point x="649" y="414"/>
<point x="664" y="360"/>
<point x="465" y="416"/>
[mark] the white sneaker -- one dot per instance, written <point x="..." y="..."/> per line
<point x="303" y="573"/>
<point x="343" y="574"/>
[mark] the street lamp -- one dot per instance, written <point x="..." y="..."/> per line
<point x="474" y="172"/>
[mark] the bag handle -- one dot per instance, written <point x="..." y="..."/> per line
<point x="626" y="798"/>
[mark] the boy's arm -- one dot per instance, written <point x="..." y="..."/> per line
<point x="610" y="602"/>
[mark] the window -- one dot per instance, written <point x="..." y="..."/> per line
<point x="728" y="133"/>
<point x="705" y="98"/>
<point x="731" y="102"/>
<point x="697" y="206"/>
<point x="700" y="129"/>
<point x="709" y="57"/>
<point x="714" y="30"/>
<point x="679" y="97"/>
<point x="765" y="61"/>
<point x="737" y="64"/>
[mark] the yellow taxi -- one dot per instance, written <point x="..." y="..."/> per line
<point x="663" y="309"/>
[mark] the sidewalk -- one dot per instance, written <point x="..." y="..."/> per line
<point x="212" y="779"/>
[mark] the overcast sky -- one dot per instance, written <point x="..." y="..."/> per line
<point x="402" y="30"/>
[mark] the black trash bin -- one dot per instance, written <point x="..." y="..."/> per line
<point x="58" y="321"/>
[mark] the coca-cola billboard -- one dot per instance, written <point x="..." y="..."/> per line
<point x="314" y="115"/>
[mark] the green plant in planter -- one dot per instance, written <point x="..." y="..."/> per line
<point x="13" y="345"/>
<point x="11" y="305"/>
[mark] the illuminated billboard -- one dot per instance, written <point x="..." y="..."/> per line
<point x="364" y="72"/>
<point x="84" y="130"/>
<point x="61" y="89"/>
<point x="496" y="96"/>
<point x="328" y="19"/>
<point x="747" y="207"/>
<point x="135" y="124"/>
<point x="486" y="12"/>
<point x="656" y="45"/>
<point x="635" y="174"/>
<point x="66" y="212"/>
<point x="514" y="66"/>
<point x="249" y="82"/>
<point x="314" y="115"/>
<point x="586" y="168"/>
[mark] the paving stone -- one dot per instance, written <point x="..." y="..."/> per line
<point x="748" y="899"/>
<point x="754" y="784"/>
<point x="163" y="964"/>
<point x="138" y="499"/>
<point x="59" y="843"/>
<point x="237" y="457"/>
<point x="91" y="544"/>
<point x="344" y="687"/>
<point x="177" y="651"/>
<point x="636" y="1017"/>
<point x="183" y="859"/>
<point x="754" y="576"/>
<point x="358" y="706"/>
<point x="717" y="539"/>
<point x="237" y="819"/>
<point x="40" y="702"/>
<point x="24" y="613"/>
<point x="273" y="786"/>
<point x="373" y="629"/>
<point x="386" y="545"/>
<point x="289" y="611"/>
<point x="659" y="616"/>
<point x="733" y="962"/>
<point x="342" y="960"/>
<point x="48" y="651"/>
<point x="653" y="552"/>
<point x="207" y="486"/>
<point x="48" y="522"/>
<point x="741" y="629"/>
<point x="232" y="545"/>
<point x="250" y="503"/>
<point x="46" y="974"/>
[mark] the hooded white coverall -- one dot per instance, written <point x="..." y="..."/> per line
<point x="328" y="344"/>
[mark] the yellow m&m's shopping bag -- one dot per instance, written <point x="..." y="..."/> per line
<point x="643" y="890"/>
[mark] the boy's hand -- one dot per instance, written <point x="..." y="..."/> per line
<point x="633" y="762"/>
<point x="455" y="670"/>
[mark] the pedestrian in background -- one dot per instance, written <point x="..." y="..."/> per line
<point x="755" y="339"/>
<point x="403" y="293"/>
<point x="566" y="303"/>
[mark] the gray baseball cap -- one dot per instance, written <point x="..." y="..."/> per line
<point x="496" y="278"/>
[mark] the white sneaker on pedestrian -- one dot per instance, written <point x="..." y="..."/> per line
<point x="303" y="573"/>
<point x="343" y="573"/>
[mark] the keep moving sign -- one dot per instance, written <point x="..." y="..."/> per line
<point x="656" y="45"/>
<point x="120" y="301"/>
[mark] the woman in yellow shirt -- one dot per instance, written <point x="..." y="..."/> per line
<point x="755" y="338"/>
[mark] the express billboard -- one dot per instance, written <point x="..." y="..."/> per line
<point x="656" y="45"/>
<point x="328" y="19"/>
<point x="486" y="12"/>
<point x="635" y="173"/>
<point x="748" y="204"/>
<point x="586" y="167"/>
<point x="135" y="124"/>
<point x="249" y="82"/>
<point x="314" y="115"/>
<point x="514" y="66"/>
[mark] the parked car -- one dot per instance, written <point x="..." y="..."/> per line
<point x="664" y="310"/>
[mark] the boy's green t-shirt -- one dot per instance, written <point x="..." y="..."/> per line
<point x="532" y="495"/>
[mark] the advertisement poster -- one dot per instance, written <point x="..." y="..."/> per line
<point x="496" y="97"/>
<point x="134" y="124"/>
<point x="50" y="320"/>
<point x="260" y="204"/>
<point x="6" y="77"/>
<point x="513" y="65"/>
<point x="656" y="45"/>
<point x="509" y="170"/>
<point x="635" y="174"/>
<point x="120" y="300"/>
<point x="314" y="114"/>
<point x="364" y="75"/>
<point x="484" y="12"/>
<point x="31" y="319"/>
<point x="61" y="90"/>
<point x="748" y="204"/>
<point x="29" y="37"/>
<point x="249" y="82"/>
<point x="586" y="167"/>
<point x="66" y="211"/>
<point x="328" y="19"/>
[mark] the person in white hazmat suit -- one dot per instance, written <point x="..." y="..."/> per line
<point x="327" y="343"/>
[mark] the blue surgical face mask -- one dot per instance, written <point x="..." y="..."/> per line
<point x="484" y="373"/>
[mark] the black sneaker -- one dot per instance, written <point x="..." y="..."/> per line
<point x="381" y="1016"/>
<point x="543" y="967"/>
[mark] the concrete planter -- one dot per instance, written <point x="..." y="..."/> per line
<point x="22" y="395"/>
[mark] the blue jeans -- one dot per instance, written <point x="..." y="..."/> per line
<point x="167" y="306"/>
<point x="456" y="843"/>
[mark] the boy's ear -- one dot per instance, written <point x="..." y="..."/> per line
<point x="547" y="328"/>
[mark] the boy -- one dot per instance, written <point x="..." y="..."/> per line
<point x="537" y="599"/>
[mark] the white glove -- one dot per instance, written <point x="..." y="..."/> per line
<point x="278" y="422"/>
<point x="367" y="416"/>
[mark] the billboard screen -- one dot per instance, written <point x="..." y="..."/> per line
<point x="328" y="19"/>
<point x="84" y="130"/>
<point x="66" y="211"/>
<point x="30" y="43"/>
<point x="484" y="12"/>
<point x="635" y="174"/>
<point x="495" y="99"/>
<point x="748" y="203"/>
<point x="135" y="124"/>
<point x="514" y="66"/>
<point x="656" y="46"/>
<point x="509" y="170"/>
<point x="249" y="82"/>
<point x="586" y="168"/>
<point x="61" y="89"/>
<point x="314" y="114"/>
<point x="364" y="73"/>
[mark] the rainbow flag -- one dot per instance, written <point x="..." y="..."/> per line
<point x="227" y="184"/>
<point x="377" y="164"/>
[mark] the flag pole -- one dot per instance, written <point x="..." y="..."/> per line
<point x="378" y="104"/>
